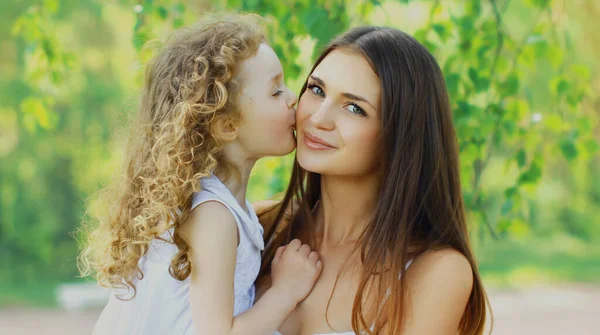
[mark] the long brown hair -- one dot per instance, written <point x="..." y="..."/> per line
<point x="173" y="143"/>
<point x="420" y="203"/>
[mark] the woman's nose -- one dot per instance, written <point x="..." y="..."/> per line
<point x="322" y="117"/>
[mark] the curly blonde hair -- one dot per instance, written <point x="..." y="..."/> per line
<point x="189" y="85"/>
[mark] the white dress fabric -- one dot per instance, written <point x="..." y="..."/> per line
<point x="387" y="294"/>
<point x="162" y="303"/>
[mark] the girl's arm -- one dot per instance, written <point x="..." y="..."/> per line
<point x="212" y="234"/>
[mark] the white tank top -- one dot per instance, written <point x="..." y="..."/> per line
<point x="162" y="303"/>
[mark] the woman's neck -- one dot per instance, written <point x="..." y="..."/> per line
<point x="347" y="205"/>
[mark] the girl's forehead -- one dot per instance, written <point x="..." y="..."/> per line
<point x="263" y="66"/>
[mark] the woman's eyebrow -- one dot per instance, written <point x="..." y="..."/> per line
<point x="358" y="98"/>
<point x="318" y="80"/>
<point x="347" y="95"/>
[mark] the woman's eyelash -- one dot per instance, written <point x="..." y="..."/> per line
<point x="278" y="93"/>
<point x="312" y="88"/>
<point x="317" y="90"/>
<point x="359" y="111"/>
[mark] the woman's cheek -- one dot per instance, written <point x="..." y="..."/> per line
<point x="365" y="144"/>
<point x="302" y="113"/>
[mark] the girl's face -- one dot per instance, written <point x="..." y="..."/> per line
<point x="338" y="117"/>
<point x="266" y="106"/>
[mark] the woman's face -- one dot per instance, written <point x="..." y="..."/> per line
<point x="338" y="119"/>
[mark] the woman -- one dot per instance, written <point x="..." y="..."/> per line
<point x="378" y="191"/>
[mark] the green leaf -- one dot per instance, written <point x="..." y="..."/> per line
<point x="518" y="228"/>
<point x="509" y="127"/>
<point x="51" y="6"/>
<point x="474" y="7"/>
<point x="559" y="85"/>
<point x="441" y="31"/>
<point x="497" y="138"/>
<point x="452" y="82"/>
<point x="180" y="8"/>
<point x="448" y="64"/>
<point x="140" y="38"/>
<point x="48" y="49"/>
<point x="467" y="25"/>
<point x="35" y="112"/>
<point x="421" y="35"/>
<point x="517" y="109"/>
<point x="574" y="99"/>
<point x="581" y="71"/>
<point x="480" y="83"/>
<point x="178" y="23"/>
<point x="464" y="110"/>
<point x="532" y="175"/>
<point x="539" y="3"/>
<point x="541" y="49"/>
<point x="521" y="158"/>
<point x="591" y="145"/>
<point x="510" y="86"/>
<point x="162" y="12"/>
<point x="556" y="56"/>
<point x="511" y="191"/>
<point x="503" y="225"/>
<point x="506" y="207"/>
<point x="481" y="52"/>
<point x="554" y="122"/>
<point x="568" y="149"/>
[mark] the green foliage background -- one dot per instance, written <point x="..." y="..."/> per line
<point x="522" y="77"/>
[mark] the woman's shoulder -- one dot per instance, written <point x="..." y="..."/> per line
<point x="439" y="284"/>
<point x="442" y="268"/>
<point x="443" y="259"/>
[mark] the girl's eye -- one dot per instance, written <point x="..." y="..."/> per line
<point x="316" y="90"/>
<point x="356" y="110"/>
<point x="278" y="93"/>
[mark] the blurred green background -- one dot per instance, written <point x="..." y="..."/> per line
<point x="523" y="80"/>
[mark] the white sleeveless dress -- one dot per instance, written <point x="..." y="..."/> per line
<point x="162" y="303"/>
<point x="387" y="294"/>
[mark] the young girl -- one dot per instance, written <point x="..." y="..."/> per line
<point x="180" y="244"/>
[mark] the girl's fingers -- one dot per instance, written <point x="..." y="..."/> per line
<point x="278" y="254"/>
<point x="295" y="245"/>
<point x="304" y="250"/>
<point x="313" y="257"/>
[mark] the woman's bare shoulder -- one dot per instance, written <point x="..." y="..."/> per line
<point x="446" y="267"/>
<point x="439" y="285"/>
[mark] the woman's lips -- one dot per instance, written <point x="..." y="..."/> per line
<point x="316" y="143"/>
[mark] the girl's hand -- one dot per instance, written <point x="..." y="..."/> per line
<point x="295" y="269"/>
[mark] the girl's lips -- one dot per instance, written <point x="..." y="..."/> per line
<point x="316" y="143"/>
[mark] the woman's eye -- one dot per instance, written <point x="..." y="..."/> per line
<point x="316" y="90"/>
<point x="356" y="110"/>
<point x="278" y="93"/>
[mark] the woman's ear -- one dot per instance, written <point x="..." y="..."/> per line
<point x="225" y="130"/>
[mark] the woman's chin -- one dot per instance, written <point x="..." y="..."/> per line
<point x="312" y="165"/>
